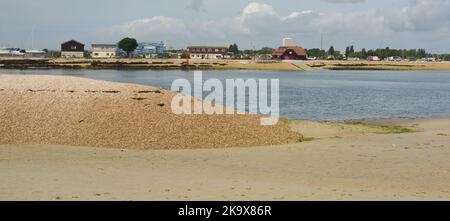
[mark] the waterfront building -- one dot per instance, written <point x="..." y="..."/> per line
<point x="104" y="50"/>
<point x="150" y="49"/>
<point x="72" y="49"/>
<point x="5" y="52"/>
<point x="207" y="52"/>
<point x="290" y="53"/>
<point x="35" y="53"/>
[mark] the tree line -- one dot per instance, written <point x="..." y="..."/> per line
<point x="382" y="53"/>
<point x="349" y="52"/>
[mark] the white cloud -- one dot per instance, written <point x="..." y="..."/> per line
<point x="294" y="15"/>
<point x="261" y="21"/>
<point x="255" y="8"/>
<point x="420" y="15"/>
<point x="158" y="27"/>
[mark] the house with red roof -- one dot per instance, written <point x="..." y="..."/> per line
<point x="290" y="53"/>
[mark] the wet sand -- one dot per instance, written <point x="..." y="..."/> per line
<point x="365" y="166"/>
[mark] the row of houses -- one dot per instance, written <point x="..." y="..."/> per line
<point x="150" y="50"/>
<point x="76" y="49"/>
<point x="220" y="52"/>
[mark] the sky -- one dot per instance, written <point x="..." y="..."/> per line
<point x="249" y="23"/>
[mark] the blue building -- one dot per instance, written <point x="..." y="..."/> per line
<point x="150" y="49"/>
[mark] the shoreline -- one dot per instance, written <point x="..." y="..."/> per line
<point x="179" y="64"/>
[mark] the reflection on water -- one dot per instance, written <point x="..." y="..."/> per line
<point x="318" y="95"/>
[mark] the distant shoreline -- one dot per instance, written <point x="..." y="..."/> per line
<point x="180" y="64"/>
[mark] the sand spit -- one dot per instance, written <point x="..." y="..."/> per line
<point x="74" y="111"/>
<point x="213" y="64"/>
<point x="380" y="65"/>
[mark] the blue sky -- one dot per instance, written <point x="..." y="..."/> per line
<point x="251" y="24"/>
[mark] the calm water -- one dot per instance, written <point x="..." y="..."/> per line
<point x="318" y="95"/>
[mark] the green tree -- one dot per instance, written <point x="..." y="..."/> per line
<point x="363" y="54"/>
<point x="266" y="50"/>
<point x="421" y="53"/>
<point x="331" y="51"/>
<point x="347" y="52"/>
<point x="166" y="56"/>
<point x="128" y="45"/>
<point x="316" y="52"/>
<point x="234" y="49"/>
<point x="183" y="55"/>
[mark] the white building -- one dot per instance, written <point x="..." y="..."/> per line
<point x="104" y="50"/>
<point x="5" y="52"/>
<point x="35" y="53"/>
<point x="207" y="52"/>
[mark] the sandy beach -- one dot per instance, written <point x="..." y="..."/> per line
<point x="411" y="166"/>
<point x="60" y="140"/>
